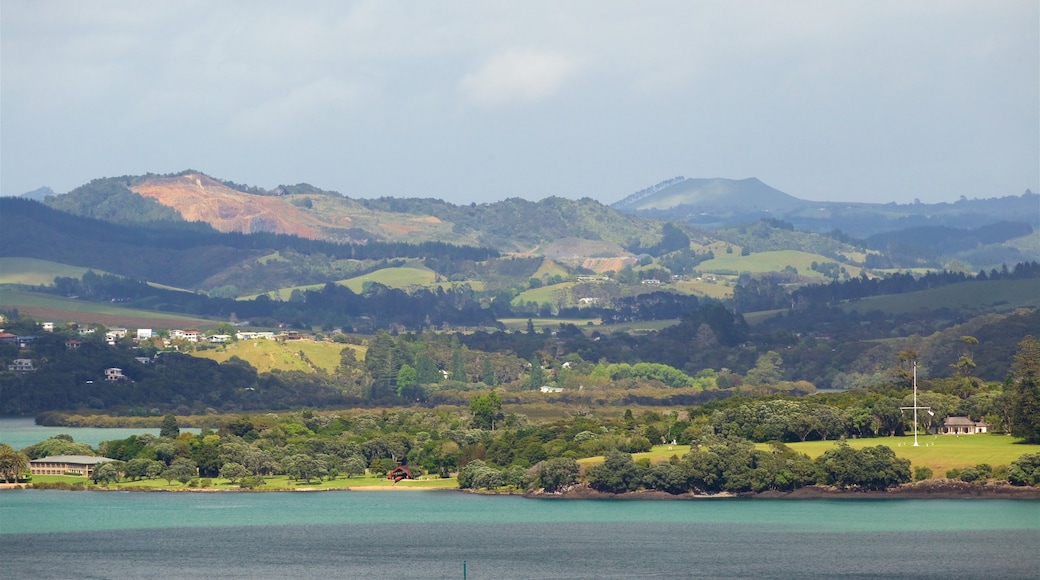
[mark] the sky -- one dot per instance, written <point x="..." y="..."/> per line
<point x="477" y="101"/>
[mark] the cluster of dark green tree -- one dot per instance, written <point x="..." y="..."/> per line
<point x="727" y="464"/>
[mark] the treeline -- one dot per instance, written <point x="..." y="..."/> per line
<point x="769" y="291"/>
<point x="331" y="307"/>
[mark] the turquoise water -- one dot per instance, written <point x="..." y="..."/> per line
<point x="429" y="534"/>
<point x="61" y="511"/>
<point x="21" y="432"/>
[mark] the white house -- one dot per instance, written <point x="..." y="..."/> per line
<point x="21" y="365"/>
<point x="962" y="426"/>
<point x="144" y="334"/>
<point x="115" y="374"/>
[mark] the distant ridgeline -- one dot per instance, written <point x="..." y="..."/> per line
<point x="176" y="253"/>
<point x="716" y="202"/>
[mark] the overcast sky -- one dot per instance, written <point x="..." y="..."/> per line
<point x="479" y="101"/>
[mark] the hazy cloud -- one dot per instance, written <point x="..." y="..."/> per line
<point x="475" y="101"/>
<point x="517" y="76"/>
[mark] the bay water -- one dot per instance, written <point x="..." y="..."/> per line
<point x="443" y="534"/>
<point x="21" y="432"/>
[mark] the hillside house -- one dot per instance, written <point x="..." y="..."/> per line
<point x="115" y="374"/>
<point x="219" y="338"/>
<point x="144" y="334"/>
<point x="962" y="426"/>
<point x="73" y="344"/>
<point x="24" y="341"/>
<point x="79" y="465"/>
<point x="21" y="365"/>
<point x="47" y="326"/>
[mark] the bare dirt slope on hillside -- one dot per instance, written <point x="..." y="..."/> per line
<point x="200" y="198"/>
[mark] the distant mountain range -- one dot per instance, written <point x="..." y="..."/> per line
<point x="717" y="202"/>
<point x="710" y="214"/>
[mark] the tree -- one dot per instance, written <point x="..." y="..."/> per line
<point x="966" y="364"/>
<point x="618" y="473"/>
<point x="180" y="469"/>
<point x="406" y="377"/>
<point x="426" y="370"/>
<point x="107" y="472"/>
<point x="169" y="429"/>
<point x="487" y="373"/>
<point x="458" y="366"/>
<point x="486" y="410"/>
<point x="232" y="471"/>
<point x="536" y="379"/>
<point x="767" y="369"/>
<point x="1025" y="398"/>
<point x="1025" y="470"/>
<point x="353" y="465"/>
<point x="12" y="463"/>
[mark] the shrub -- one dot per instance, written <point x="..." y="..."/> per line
<point x="1025" y="470"/>
<point x="970" y="474"/>
<point x="922" y="473"/>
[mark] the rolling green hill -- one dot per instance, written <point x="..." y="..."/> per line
<point x="46" y="307"/>
<point x="774" y="261"/>
<point x="1000" y="295"/>
<point x="33" y="272"/>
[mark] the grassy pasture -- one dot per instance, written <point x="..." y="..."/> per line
<point x="33" y="272"/>
<point x="46" y="307"/>
<point x="1002" y="294"/>
<point x="267" y="355"/>
<point x="938" y="452"/>
<point x="403" y="277"/>
<point x="774" y="261"/>
<point x="545" y="294"/>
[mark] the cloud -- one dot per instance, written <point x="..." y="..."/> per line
<point x="517" y="76"/>
<point x="296" y="107"/>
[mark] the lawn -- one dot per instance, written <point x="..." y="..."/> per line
<point x="267" y="355"/>
<point x="938" y="452"/>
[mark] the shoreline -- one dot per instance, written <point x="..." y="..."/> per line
<point x="930" y="489"/>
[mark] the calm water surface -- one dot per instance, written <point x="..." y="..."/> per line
<point x="430" y="534"/>
<point x="21" y="432"/>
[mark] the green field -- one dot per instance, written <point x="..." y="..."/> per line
<point x="998" y="294"/>
<point x="545" y="294"/>
<point x="774" y="261"/>
<point x="267" y="355"/>
<point x="938" y="452"/>
<point x="407" y="277"/>
<point x="33" y="272"/>
<point x="45" y="307"/>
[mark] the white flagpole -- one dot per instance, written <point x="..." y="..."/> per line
<point x="915" y="407"/>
